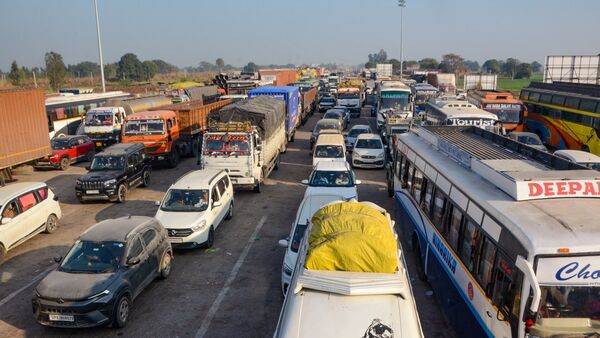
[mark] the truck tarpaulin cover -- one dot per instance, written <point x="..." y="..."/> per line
<point x="351" y="236"/>
<point x="265" y="112"/>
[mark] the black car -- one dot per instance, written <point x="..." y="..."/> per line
<point x="337" y="114"/>
<point x="113" y="172"/>
<point x="103" y="272"/>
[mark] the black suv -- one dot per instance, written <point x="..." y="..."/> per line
<point x="114" y="172"/>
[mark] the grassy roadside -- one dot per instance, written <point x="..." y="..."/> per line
<point x="513" y="85"/>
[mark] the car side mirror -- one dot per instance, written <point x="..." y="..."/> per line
<point x="217" y="204"/>
<point x="283" y="243"/>
<point x="5" y="220"/>
<point x="305" y="182"/>
<point x="157" y="203"/>
<point x="358" y="182"/>
<point x="58" y="259"/>
<point x="133" y="261"/>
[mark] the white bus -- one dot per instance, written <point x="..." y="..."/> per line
<point x="506" y="235"/>
<point x="393" y="98"/>
<point x="442" y="111"/>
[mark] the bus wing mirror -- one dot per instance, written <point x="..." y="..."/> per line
<point x="527" y="270"/>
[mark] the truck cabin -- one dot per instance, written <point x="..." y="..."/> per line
<point x="158" y="122"/>
<point x="235" y="139"/>
<point x="104" y="117"/>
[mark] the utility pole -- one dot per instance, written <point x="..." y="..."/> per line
<point x="100" y="47"/>
<point x="34" y="79"/>
<point x="401" y="4"/>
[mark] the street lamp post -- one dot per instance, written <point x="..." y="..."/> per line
<point x="100" y="47"/>
<point x="401" y="4"/>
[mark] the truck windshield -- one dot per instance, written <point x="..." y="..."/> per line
<point x="185" y="200"/>
<point x="99" y="119"/>
<point x="144" y="127"/>
<point x="227" y="144"/>
<point x="108" y="163"/>
<point x="566" y="310"/>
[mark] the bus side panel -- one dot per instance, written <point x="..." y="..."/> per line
<point x="463" y="317"/>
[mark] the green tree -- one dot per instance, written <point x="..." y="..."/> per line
<point x="452" y="63"/>
<point x="428" y="63"/>
<point x="375" y="58"/>
<point x="84" y="69"/>
<point x="510" y="67"/>
<point x="250" y="67"/>
<point x="150" y="69"/>
<point x="110" y="70"/>
<point x="16" y="75"/>
<point x="491" y="66"/>
<point x="395" y="65"/>
<point x="523" y="71"/>
<point x="220" y="63"/>
<point x="536" y="67"/>
<point x="472" y="66"/>
<point x="55" y="70"/>
<point x="130" y="68"/>
<point x="164" y="67"/>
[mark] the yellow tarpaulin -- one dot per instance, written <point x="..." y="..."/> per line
<point x="184" y="85"/>
<point x="351" y="236"/>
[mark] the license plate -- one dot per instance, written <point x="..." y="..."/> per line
<point x="93" y="192"/>
<point x="61" y="318"/>
<point x="176" y="240"/>
<point x="98" y="144"/>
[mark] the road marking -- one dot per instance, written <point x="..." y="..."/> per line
<point x="236" y="268"/>
<point x="33" y="281"/>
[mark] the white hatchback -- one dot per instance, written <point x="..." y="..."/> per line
<point x="26" y="209"/>
<point x="332" y="178"/>
<point x="195" y="206"/>
<point x="369" y="152"/>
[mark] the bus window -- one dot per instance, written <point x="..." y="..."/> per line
<point x="534" y="97"/>
<point x="453" y="229"/>
<point x="428" y="196"/>
<point x="408" y="174"/>
<point x="546" y="98"/>
<point x="486" y="264"/>
<point x="588" y="105"/>
<point x="558" y="100"/>
<point x="439" y="208"/>
<point x="572" y="102"/>
<point x="399" y="163"/>
<point x="469" y="245"/>
<point x="417" y="185"/>
<point x="506" y="288"/>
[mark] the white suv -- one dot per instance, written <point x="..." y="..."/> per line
<point x="26" y="209"/>
<point x="332" y="178"/>
<point x="194" y="207"/>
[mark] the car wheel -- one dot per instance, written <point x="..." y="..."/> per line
<point x="230" y="211"/>
<point x="65" y="162"/>
<point x="121" y="193"/>
<point x="121" y="313"/>
<point x="145" y="178"/>
<point x="211" y="238"/>
<point x="51" y="224"/>
<point x="90" y="155"/>
<point x="165" y="264"/>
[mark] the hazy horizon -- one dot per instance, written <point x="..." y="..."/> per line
<point x="278" y="32"/>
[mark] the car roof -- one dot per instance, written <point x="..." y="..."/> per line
<point x="121" y="148"/>
<point x="117" y="229"/>
<point x="10" y="191"/>
<point x="329" y="131"/>
<point x="331" y="166"/>
<point x="326" y="139"/>
<point x="337" y="111"/>
<point x="328" y="121"/>
<point x="197" y="178"/>
<point x="578" y="156"/>
<point x="368" y="137"/>
<point x="360" y="126"/>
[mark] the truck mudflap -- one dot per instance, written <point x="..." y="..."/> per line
<point x="243" y="183"/>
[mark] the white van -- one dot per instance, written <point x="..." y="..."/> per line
<point x="326" y="303"/>
<point x="580" y="157"/>
<point x="329" y="147"/>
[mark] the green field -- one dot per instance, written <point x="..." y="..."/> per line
<point x="514" y="85"/>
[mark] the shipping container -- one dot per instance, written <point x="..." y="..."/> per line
<point x="479" y="81"/>
<point x="279" y="77"/>
<point x="445" y="82"/>
<point x="23" y="130"/>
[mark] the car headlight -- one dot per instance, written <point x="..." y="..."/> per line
<point x="78" y="182"/>
<point x="110" y="182"/>
<point x="382" y="155"/>
<point x="100" y="294"/>
<point x="53" y="156"/>
<point x="199" y="226"/>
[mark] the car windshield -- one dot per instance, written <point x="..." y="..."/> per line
<point x="98" y="118"/>
<point x="564" y="303"/>
<point x="185" y="200"/>
<point x="369" y="144"/>
<point x="93" y="257"/>
<point x="355" y="132"/>
<point x="526" y="139"/>
<point x="329" y="151"/>
<point x="108" y="163"/>
<point x="60" y="144"/>
<point x="143" y="127"/>
<point x="333" y="115"/>
<point x="321" y="178"/>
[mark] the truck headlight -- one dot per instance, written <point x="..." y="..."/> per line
<point x="110" y="182"/>
<point x="199" y="226"/>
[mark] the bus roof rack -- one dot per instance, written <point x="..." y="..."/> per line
<point x="569" y="87"/>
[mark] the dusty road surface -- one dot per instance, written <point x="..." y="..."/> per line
<point x="232" y="290"/>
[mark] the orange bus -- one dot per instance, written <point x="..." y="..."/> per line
<point x="510" y="111"/>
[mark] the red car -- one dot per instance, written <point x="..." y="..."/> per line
<point x="66" y="150"/>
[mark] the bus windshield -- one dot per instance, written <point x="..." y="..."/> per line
<point x="227" y="144"/>
<point x="144" y="127"/>
<point x="394" y="100"/>
<point x="100" y="118"/>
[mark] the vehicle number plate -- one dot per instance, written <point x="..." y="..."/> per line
<point x="61" y="318"/>
<point x="93" y="192"/>
<point x="175" y="240"/>
<point x="98" y="144"/>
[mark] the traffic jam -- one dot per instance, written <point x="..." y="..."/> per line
<point x="340" y="204"/>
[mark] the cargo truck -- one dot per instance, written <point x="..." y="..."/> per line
<point x="171" y="131"/>
<point x="103" y="124"/>
<point x="445" y="82"/>
<point x="23" y="130"/>
<point x="246" y="139"/>
<point x="308" y="102"/>
<point x="383" y="70"/>
<point x="290" y="96"/>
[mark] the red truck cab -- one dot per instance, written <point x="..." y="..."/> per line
<point x="67" y="150"/>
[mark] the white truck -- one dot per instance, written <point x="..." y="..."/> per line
<point x="246" y="139"/>
<point x="383" y="70"/>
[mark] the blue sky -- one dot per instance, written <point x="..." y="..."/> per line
<point x="302" y="31"/>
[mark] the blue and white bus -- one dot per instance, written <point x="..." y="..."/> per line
<point x="506" y="235"/>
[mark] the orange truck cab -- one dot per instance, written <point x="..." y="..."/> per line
<point x="158" y="130"/>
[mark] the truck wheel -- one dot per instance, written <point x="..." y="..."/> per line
<point x="121" y="193"/>
<point x="258" y="187"/>
<point x="65" y="162"/>
<point x="173" y="158"/>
